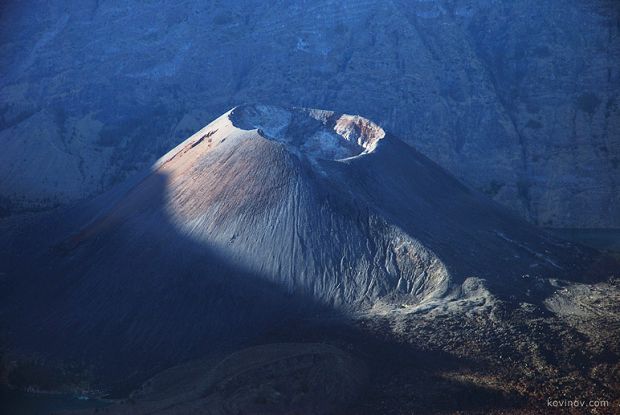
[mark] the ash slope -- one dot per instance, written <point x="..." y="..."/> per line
<point x="266" y="212"/>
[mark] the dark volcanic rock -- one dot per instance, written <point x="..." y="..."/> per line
<point x="271" y="379"/>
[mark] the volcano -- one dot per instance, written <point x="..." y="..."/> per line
<point x="264" y="215"/>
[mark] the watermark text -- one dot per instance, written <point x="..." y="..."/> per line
<point x="578" y="403"/>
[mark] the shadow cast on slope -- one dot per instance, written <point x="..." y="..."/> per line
<point x="129" y="295"/>
<point x="402" y="379"/>
<point x="471" y="234"/>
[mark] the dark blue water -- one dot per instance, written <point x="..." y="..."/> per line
<point x="24" y="403"/>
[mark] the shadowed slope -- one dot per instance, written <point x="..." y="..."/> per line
<point x="265" y="214"/>
<point x="130" y="295"/>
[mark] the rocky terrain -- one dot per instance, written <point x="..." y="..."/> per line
<point x="475" y="356"/>
<point x="289" y="260"/>
<point x="518" y="99"/>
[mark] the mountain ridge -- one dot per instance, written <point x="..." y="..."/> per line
<point x="518" y="105"/>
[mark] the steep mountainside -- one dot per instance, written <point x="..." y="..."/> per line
<point x="518" y="99"/>
<point x="266" y="214"/>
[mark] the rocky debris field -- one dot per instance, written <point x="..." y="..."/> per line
<point x="462" y="357"/>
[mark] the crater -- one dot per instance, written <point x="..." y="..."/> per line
<point x="315" y="133"/>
